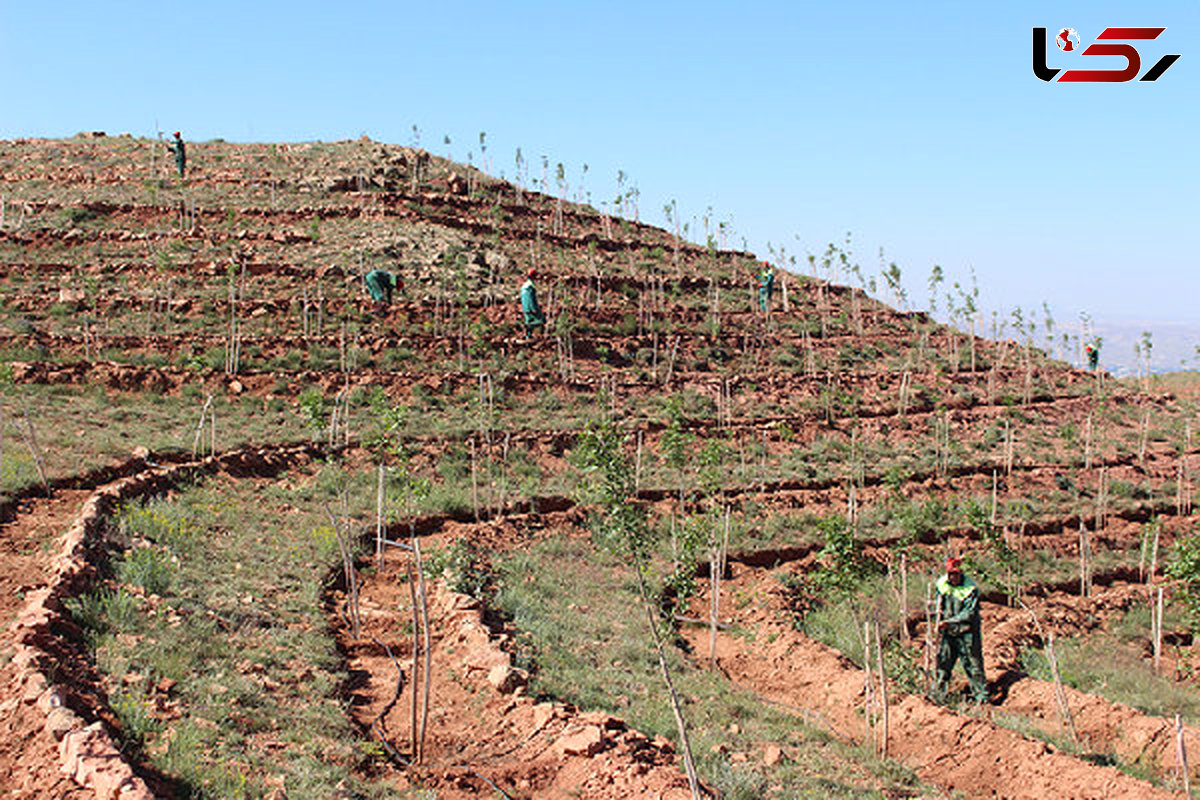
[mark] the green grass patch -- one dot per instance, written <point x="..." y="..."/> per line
<point x="216" y="593"/>
<point x="1118" y="670"/>
<point x="585" y="638"/>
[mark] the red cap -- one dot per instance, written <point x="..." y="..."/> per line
<point x="954" y="564"/>
<point x="176" y="134"/>
<point x="532" y="272"/>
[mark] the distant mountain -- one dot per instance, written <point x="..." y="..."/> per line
<point x="1173" y="345"/>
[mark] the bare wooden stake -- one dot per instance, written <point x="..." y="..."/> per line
<point x="637" y="465"/>
<point x="346" y="549"/>
<point x="1087" y="442"/>
<point x="1154" y="554"/>
<point x="304" y="312"/>
<point x="416" y="660"/>
<point x="1142" y="553"/>
<point x="1101" y="499"/>
<point x="474" y="480"/>
<point x="427" y="678"/>
<point x="671" y="361"/>
<point x="1158" y="631"/>
<point x="1145" y="436"/>
<point x="932" y="620"/>
<point x="200" y="426"/>
<point x="1085" y="552"/>
<point x="883" y="695"/>
<point x="1009" y="448"/>
<point x="1181" y="748"/>
<point x="995" y="481"/>
<point x="1064" y="708"/>
<point x="342" y="347"/>
<point x="869" y="686"/>
<point x="31" y="442"/>
<point x="379" y="520"/>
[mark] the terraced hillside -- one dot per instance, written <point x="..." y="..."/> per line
<point x="263" y="538"/>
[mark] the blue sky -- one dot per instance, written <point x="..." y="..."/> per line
<point x="919" y="128"/>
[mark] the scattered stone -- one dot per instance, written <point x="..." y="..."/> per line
<point x="35" y="686"/>
<point x="772" y="755"/>
<point x="586" y="741"/>
<point x="506" y="679"/>
<point x="542" y="713"/>
<point x="62" y="721"/>
<point x="600" y="720"/>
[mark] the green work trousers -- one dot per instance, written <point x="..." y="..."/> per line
<point x="969" y="647"/>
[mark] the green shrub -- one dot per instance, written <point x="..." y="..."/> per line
<point x="159" y="523"/>
<point x="1184" y="566"/>
<point x="103" y="611"/>
<point x="148" y="568"/>
<point x="136" y="721"/>
<point x="462" y="567"/>
<point x="78" y="216"/>
<point x="314" y="409"/>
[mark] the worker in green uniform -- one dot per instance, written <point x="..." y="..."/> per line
<point x="177" y="147"/>
<point x="766" y="286"/>
<point x="533" y="316"/>
<point x="1093" y="354"/>
<point x="958" y="605"/>
<point x="380" y="285"/>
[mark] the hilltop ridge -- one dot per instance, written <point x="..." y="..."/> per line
<point x="804" y="469"/>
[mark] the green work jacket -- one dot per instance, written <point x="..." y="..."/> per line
<point x="959" y="605"/>
<point x="529" y="305"/>
<point x="180" y="150"/>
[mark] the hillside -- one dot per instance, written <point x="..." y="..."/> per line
<point x="230" y="483"/>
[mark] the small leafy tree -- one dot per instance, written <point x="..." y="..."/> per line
<point x="842" y="562"/>
<point x="936" y="276"/>
<point x="314" y="410"/>
<point x="1005" y="567"/>
<point x="622" y="526"/>
<point x="676" y="445"/>
<point x="1184" y="567"/>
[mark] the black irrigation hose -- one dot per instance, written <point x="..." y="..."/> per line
<point x="399" y="682"/>
<point x="392" y="752"/>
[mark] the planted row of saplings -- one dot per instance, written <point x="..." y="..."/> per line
<point x="906" y="650"/>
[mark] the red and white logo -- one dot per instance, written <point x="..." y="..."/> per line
<point x="1068" y="42"/>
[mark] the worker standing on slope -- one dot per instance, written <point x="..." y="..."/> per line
<point x="533" y="316"/>
<point x="958" y="606"/>
<point x="177" y="147"/>
<point x="1093" y="354"/>
<point x="766" y="286"/>
<point x="380" y="285"/>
